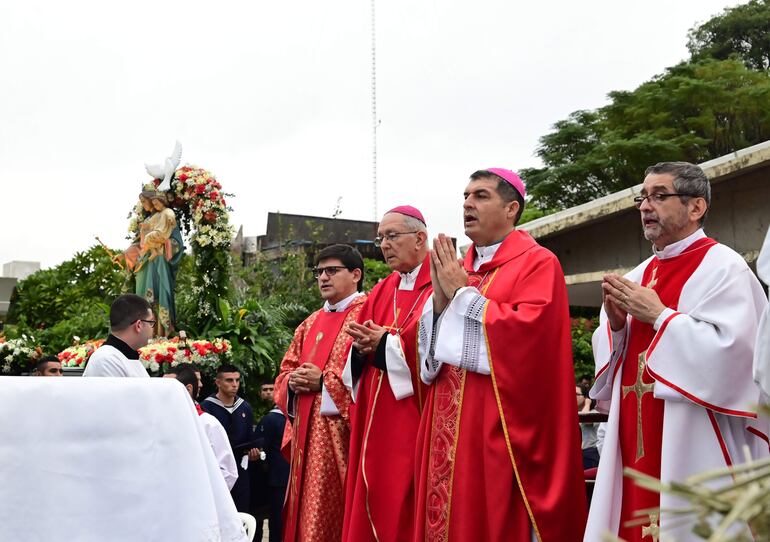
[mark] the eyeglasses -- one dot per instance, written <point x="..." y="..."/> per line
<point x="658" y="198"/>
<point x="330" y="271"/>
<point x="151" y="322"/>
<point x="390" y="237"/>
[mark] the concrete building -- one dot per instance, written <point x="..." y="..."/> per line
<point x="12" y="273"/>
<point x="7" y="286"/>
<point x="291" y="233"/>
<point x="20" y="270"/>
<point x="605" y="235"/>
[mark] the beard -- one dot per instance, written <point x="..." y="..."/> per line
<point x="666" y="227"/>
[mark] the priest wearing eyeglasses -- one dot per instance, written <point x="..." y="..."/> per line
<point x="384" y="375"/>
<point x="674" y="363"/>
<point x="310" y="392"/>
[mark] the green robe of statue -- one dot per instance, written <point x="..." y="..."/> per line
<point x="161" y="247"/>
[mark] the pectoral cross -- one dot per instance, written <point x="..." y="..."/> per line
<point x="639" y="388"/>
<point x="396" y="314"/>
<point x="653" y="529"/>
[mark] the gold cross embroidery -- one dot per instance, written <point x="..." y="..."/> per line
<point x="653" y="529"/>
<point x="639" y="388"/>
<point x="653" y="279"/>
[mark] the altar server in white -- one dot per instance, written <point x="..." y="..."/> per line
<point x="674" y="356"/>
<point x="132" y="325"/>
<point x="220" y="443"/>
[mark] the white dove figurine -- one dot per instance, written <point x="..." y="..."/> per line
<point x="166" y="171"/>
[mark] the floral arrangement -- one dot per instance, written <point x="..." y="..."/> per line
<point x="16" y="354"/>
<point x="77" y="356"/>
<point x="198" y="190"/>
<point x="201" y="201"/>
<point x="203" y="215"/>
<point x="171" y="352"/>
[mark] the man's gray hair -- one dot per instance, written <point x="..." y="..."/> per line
<point x="414" y="224"/>
<point x="688" y="179"/>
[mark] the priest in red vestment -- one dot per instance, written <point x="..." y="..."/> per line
<point x="310" y="392"/>
<point x="384" y="375"/>
<point x="674" y="360"/>
<point x="499" y="453"/>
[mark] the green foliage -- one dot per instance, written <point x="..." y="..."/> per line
<point x="257" y="331"/>
<point x="713" y="105"/>
<point x="582" y="351"/>
<point x="374" y="272"/>
<point x="276" y="282"/>
<point x="211" y="281"/>
<point x="186" y="298"/>
<point x="693" y="112"/>
<point x="533" y="213"/>
<point x="741" y="32"/>
<point x="71" y="299"/>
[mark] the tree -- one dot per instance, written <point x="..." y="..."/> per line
<point x="71" y="299"/>
<point x="582" y="351"/>
<point x="741" y="32"/>
<point x="693" y="112"/>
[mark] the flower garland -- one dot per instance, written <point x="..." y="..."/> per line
<point x="78" y="355"/>
<point x="17" y="354"/>
<point x="199" y="196"/>
<point x="202" y="212"/>
<point x="158" y="354"/>
<point x="199" y="191"/>
<point x="171" y="352"/>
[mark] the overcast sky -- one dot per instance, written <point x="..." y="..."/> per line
<point x="274" y="99"/>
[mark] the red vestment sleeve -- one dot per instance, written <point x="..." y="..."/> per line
<point x="289" y="363"/>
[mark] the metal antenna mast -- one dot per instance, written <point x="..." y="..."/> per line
<point x="374" y="114"/>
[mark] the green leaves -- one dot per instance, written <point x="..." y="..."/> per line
<point x="71" y="299"/>
<point x="741" y="32"/>
<point x="582" y="351"/>
<point x="714" y="104"/>
<point x="693" y="112"/>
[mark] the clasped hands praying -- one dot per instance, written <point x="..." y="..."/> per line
<point x="305" y="379"/>
<point x="366" y="336"/>
<point x="622" y="297"/>
<point x="446" y="272"/>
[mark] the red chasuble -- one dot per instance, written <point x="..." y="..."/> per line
<point x="500" y="454"/>
<point x="314" y="505"/>
<point x="379" y="503"/>
<point x="641" y="415"/>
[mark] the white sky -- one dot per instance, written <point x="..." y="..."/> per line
<point x="274" y="99"/>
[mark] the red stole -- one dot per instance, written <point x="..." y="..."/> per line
<point x="641" y="451"/>
<point x="316" y="349"/>
<point x="508" y="443"/>
<point x="379" y="502"/>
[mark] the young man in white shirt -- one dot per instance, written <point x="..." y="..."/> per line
<point x="132" y="325"/>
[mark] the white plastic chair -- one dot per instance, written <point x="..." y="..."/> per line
<point x="250" y="524"/>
